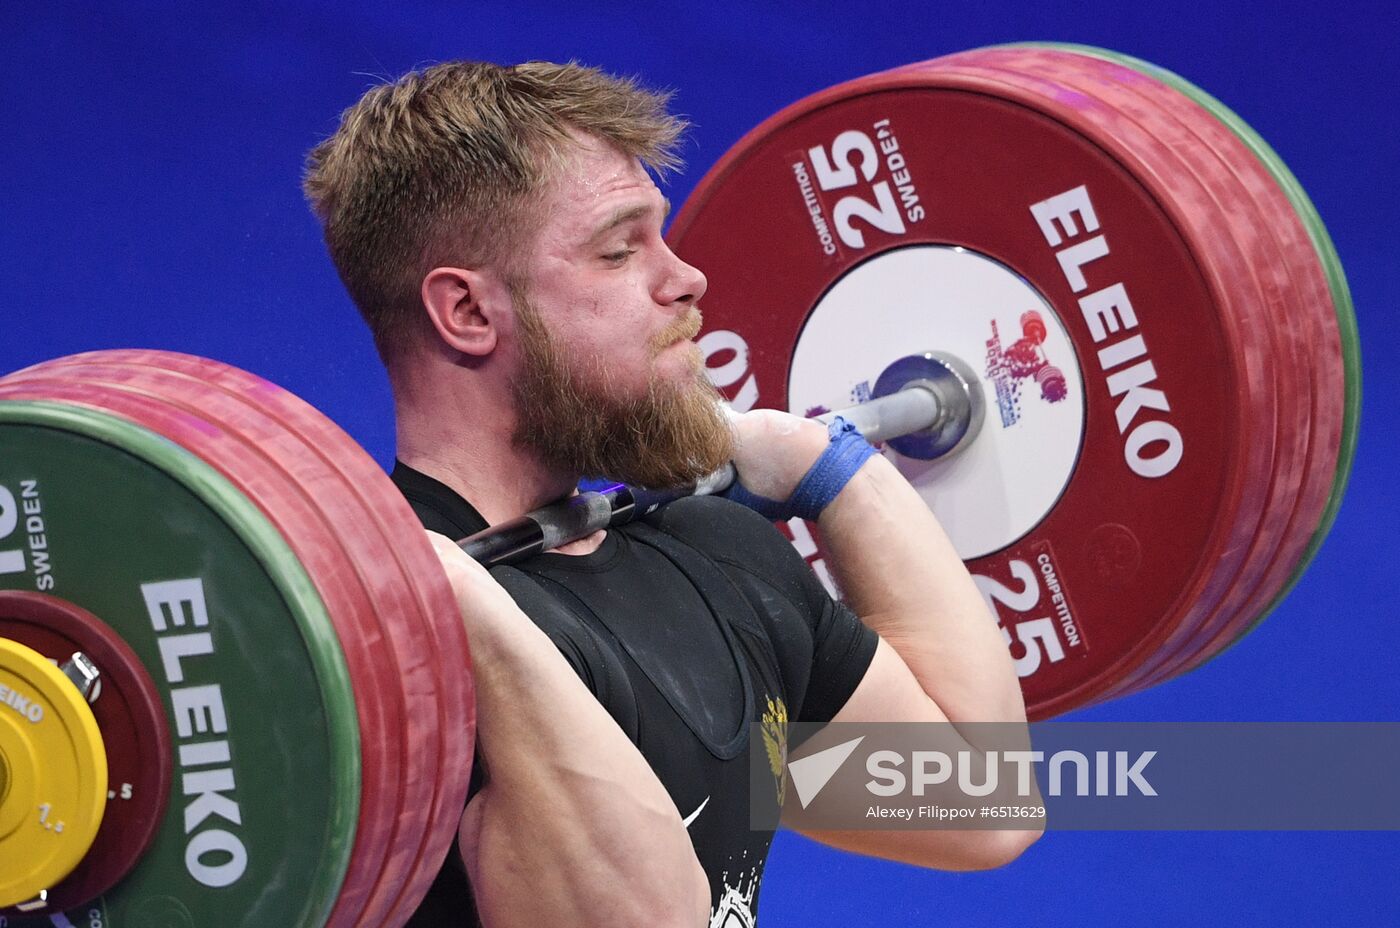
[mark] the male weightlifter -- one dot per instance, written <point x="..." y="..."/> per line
<point x="500" y="231"/>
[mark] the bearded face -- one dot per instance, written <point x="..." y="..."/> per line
<point x="574" y="416"/>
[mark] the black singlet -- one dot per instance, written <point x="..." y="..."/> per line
<point x="687" y="627"/>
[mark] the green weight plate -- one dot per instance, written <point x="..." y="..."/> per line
<point x="305" y="443"/>
<point x="318" y="543"/>
<point x="404" y="581"/>
<point x="1337" y="283"/>
<point x="259" y="699"/>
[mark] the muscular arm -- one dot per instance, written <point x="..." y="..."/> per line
<point x="901" y="575"/>
<point x="940" y="659"/>
<point x="572" y="826"/>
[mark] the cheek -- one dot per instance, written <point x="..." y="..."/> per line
<point x="610" y="329"/>
<point x="610" y="359"/>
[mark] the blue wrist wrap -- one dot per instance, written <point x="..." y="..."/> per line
<point x="844" y="454"/>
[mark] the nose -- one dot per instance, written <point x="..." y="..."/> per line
<point x="684" y="284"/>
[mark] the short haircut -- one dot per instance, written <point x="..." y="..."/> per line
<point x="441" y="167"/>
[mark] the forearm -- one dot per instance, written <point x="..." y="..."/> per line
<point x="901" y="575"/>
<point x="573" y="826"/>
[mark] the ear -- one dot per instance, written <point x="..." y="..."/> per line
<point x="465" y="306"/>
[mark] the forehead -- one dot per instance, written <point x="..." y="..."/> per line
<point x="594" y="181"/>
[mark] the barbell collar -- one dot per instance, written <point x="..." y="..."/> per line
<point x="82" y="672"/>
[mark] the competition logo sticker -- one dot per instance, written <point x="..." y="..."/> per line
<point x="1023" y="359"/>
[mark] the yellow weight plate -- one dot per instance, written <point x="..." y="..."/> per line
<point x="56" y="774"/>
<point x="4" y="779"/>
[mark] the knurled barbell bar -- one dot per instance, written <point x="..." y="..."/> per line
<point x="1148" y="314"/>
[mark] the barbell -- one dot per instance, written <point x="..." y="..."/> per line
<point x="930" y="406"/>
<point x="1153" y="403"/>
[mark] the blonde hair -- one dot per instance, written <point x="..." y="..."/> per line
<point x="441" y="166"/>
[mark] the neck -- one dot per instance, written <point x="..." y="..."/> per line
<point x="458" y="429"/>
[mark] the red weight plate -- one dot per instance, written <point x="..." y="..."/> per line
<point x="396" y="839"/>
<point x="297" y="437"/>
<point x="1297" y="309"/>
<point x="438" y="611"/>
<point x="388" y="732"/>
<point x="1262" y="284"/>
<point x="1294" y="286"/>
<point x="129" y="713"/>
<point x="244" y="395"/>
<point x="1301" y="310"/>
<point x="1116" y="560"/>
<point x="388" y="594"/>
<point x="1336" y="329"/>
<point x="1165" y="153"/>
<point x="1157" y="110"/>
<point x="1311" y="315"/>
<point x="379" y="701"/>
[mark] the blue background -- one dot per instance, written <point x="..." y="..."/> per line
<point x="149" y="197"/>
